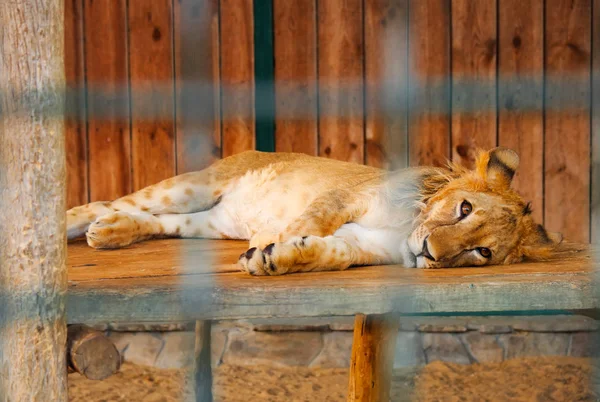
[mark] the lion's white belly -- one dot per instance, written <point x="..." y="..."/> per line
<point x="262" y="200"/>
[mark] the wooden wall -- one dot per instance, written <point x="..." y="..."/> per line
<point x="389" y="83"/>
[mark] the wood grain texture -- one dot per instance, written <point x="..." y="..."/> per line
<point x="373" y="347"/>
<point x="202" y="364"/>
<point x="295" y="26"/>
<point x="107" y="99"/>
<point x="237" y="76"/>
<point x="75" y="119"/>
<point x="171" y="280"/>
<point x="386" y="83"/>
<point x="595" y="179"/>
<point x="152" y="88"/>
<point x="340" y="64"/>
<point x="473" y="78"/>
<point x="196" y="34"/>
<point x="567" y="119"/>
<point x="429" y="80"/>
<point x="520" y="94"/>
<point x="33" y="277"/>
<point x="90" y="353"/>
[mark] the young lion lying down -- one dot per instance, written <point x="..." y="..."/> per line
<point x="304" y="213"/>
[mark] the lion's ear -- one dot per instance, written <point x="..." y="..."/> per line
<point x="498" y="166"/>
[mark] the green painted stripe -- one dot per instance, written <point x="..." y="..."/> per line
<point x="264" y="75"/>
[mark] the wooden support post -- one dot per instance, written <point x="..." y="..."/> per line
<point x="33" y="274"/>
<point x="90" y="353"/>
<point x="372" y="357"/>
<point x="203" y="370"/>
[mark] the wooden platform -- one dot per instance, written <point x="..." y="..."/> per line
<point x="170" y="280"/>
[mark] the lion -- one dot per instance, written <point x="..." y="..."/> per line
<point x="305" y="213"/>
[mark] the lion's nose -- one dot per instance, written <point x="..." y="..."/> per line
<point x="425" y="250"/>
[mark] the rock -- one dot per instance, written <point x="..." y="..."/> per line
<point x="495" y="329"/>
<point x="585" y="344"/>
<point x="534" y="344"/>
<point x="218" y="341"/>
<point x="303" y="324"/>
<point x="143" y="348"/>
<point x="121" y="340"/>
<point x="483" y="348"/>
<point x="177" y="351"/>
<point x="336" y="351"/>
<point x="444" y="347"/>
<point x="442" y="327"/>
<point x="280" y="349"/>
<point x="558" y="323"/>
<point x="151" y="327"/>
<point x="409" y="350"/>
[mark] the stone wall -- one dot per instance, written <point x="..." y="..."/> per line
<point x="327" y="342"/>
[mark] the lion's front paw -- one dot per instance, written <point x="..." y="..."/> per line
<point x="117" y="229"/>
<point x="277" y="258"/>
<point x="263" y="238"/>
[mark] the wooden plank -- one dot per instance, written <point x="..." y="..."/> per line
<point x="154" y="281"/>
<point x="152" y="87"/>
<point x="567" y="119"/>
<point x="107" y="99"/>
<point x="595" y="179"/>
<point x="197" y="84"/>
<point x="386" y="83"/>
<point x="33" y="278"/>
<point x="237" y="76"/>
<point x="429" y="80"/>
<point x="520" y="94"/>
<point x="295" y="76"/>
<point x="373" y="347"/>
<point x="473" y="78"/>
<point x="75" y="125"/>
<point x="264" y="76"/>
<point x="340" y="65"/>
<point x="202" y="367"/>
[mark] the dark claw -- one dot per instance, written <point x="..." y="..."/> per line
<point x="303" y="238"/>
<point x="269" y="249"/>
<point x="248" y="254"/>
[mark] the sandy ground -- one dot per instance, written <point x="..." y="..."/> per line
<point x="528" y="379"/>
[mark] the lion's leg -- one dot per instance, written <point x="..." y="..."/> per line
<point x="120" y="229"/>
<point x="350" y="245"/>
<point x="321" y="218"/>
<point x="186" y="193"/>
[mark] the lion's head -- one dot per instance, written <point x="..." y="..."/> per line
<point x="477" y="219"/>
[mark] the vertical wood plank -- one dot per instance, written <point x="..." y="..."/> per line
<point x="152" y="87"/>
<point x="196" y="48"/>
<point x="429" y="80"/>
<point x="107" y="99"/>
<point x="386" y="83"/>
<point x="372" y="361"/>
<point x="340" y="64"/>
<point x="473" y="78"/>
<point x="202" y="363"/>
<point x="520" y="94"/>
<point x="33" y="250"/>
<point x="295" y="76"/>
<point x="237" y="76"/>
<point x="567" y="120"/>
<point x="75" y="126"/>
<point x="216" y="49"/>
<point x="264" y="76"/>
<point x="595" y="182"/>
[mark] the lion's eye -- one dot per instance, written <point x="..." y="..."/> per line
<point x="485" y="252"/>
<point x="465" y="209"/>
